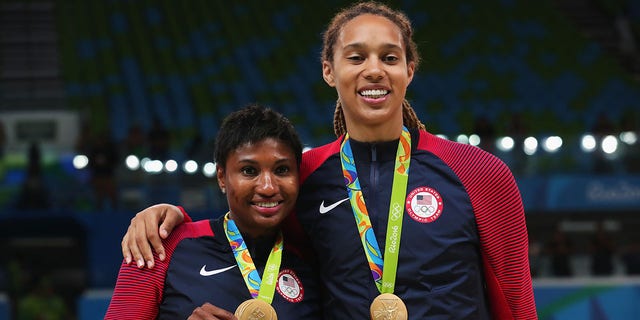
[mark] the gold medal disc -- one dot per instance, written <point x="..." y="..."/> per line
<point x="255" y="309"/>
<point x="388" y="306"/>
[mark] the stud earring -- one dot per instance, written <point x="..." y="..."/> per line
<point x="224" y="191"/>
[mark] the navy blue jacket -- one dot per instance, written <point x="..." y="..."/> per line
<point x="200" y="267"/>
<point x="463" y="252"/>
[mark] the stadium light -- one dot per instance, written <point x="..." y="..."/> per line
<point x="132" y="162"/>
<point x="609" y="144"/>
<point x="209" y="169"/>
<point x="629" y="137"/>
<point x="190" y="167"/>
<point x="80" y="161"/>
<point x="152" y="166"/>
<point x="552" y="144"/>
<point x="474" y="140"/>
<point x="462" y="138"/>
<point x="530" y="146"/>
<point x="588" y="143"/>
<point x="170" y="166"/>
<point x="505" y="144"/>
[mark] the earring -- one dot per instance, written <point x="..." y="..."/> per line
<point x="224" y="190"/>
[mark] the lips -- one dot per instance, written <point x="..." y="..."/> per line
<point x="268" y="208"/>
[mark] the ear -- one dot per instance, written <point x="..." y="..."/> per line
<point x="221" y="181"/>
<point x="411" y="68"/>
<point x="327" y="73"/>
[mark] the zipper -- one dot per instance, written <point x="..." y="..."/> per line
<point x="372" y="204"/>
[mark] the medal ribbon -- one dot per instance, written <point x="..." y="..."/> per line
<point x="385" y="281"/>
<point x="261" y="289"/>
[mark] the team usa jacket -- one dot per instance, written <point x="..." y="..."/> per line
<point x="463" y="244"/>
<point x="200" y="267"/>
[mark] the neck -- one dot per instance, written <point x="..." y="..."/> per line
<point x="253" y="232"/>
<point x="266" y="233"/>
<point x="260" y="241"/>
<point x="387" y="131"/>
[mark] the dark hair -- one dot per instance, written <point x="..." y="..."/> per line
<point x="330" y="36"/>
<point x="252" y="124"/>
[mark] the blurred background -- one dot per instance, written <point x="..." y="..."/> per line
<point x="109" y="106"/>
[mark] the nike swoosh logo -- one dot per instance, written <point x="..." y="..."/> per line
<point x="205" y="273"/>
<point x="330" y="207"/>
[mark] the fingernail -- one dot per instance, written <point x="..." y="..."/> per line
<point x="149" y="264"/>
<point x="164" y="233"/>
<point x="161" y="256"/>
<point x="127" y="259"/>
<point x="140" y="263"/>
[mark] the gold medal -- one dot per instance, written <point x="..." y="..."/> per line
<point x="388" y="306"/>
<point x="256" y="309"/>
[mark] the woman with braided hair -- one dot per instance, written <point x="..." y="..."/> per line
<point x="403" y="224"/>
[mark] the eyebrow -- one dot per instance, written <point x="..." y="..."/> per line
<point x="251" y="161"/>
<point x="360" y="45"/>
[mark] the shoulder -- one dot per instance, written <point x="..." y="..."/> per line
<point x="315" y="157"/>
<point x="448" y="149"/>
<point x="465" y="160"/>
<point x="189" y="230"/>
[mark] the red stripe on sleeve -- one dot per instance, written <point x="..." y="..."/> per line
<point x="501" y="224"/>
<point x="138" y="292"/>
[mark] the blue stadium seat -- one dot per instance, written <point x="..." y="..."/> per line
<point x="93" y="304"/>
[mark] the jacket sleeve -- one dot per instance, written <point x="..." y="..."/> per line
<point x="501" y="223"/>
<point x="137" y="294"/>
<point x="504" y="245"/>
<point x="187" y="218"/>
<point x="504" y="242"/>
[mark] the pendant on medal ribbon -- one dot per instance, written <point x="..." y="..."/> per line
<point x="388" y="306"/>
<point x="255" y="309"/>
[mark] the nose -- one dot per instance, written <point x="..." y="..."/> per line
<point x="267" y="185"/>
<point x="373" y="69"/>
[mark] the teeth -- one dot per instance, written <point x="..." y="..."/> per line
<point x="267" y="204"/>
<point x="375" y="93"/>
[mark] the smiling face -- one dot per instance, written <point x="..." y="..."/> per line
<point x="261" y="183"/>
<point x="371" y="75"/>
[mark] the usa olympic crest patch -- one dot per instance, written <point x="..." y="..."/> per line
<point x="289" y="286"/>
<point x="424" y="204"/>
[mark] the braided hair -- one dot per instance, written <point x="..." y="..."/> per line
<point x="409" y="118"/>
